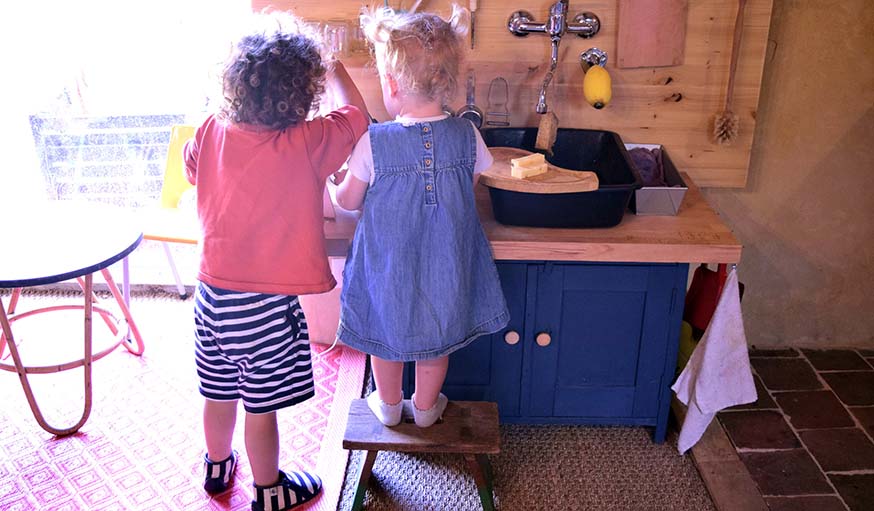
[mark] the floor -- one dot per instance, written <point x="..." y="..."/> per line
<point x="808" y="442"/>
<point x="141" y="448"/>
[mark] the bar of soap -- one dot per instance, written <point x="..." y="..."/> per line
<point x="528" y="166"/>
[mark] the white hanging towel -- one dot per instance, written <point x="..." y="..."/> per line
<point x="718" y="373"/>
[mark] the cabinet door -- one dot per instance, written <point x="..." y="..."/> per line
<point x="489" y="368"/>
<point x="609" y="326"/>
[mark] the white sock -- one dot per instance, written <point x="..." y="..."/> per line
<point x="389" y="415"/>
<point x="425" y="418"/>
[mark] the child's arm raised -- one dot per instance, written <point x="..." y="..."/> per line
<point x="343" y="88"/>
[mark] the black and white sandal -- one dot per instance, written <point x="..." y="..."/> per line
<point x="292" y="490"/>
<point x="219" y="474"/>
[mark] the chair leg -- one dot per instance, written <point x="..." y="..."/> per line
<point x="363" y="478"/>
<point x="482" y="477"/>
<point x="180" y="288"/>
<point x="137" y="346"/>
<point x="86" y="364"/>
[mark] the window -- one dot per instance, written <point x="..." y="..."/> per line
<point x="91" y="88"/>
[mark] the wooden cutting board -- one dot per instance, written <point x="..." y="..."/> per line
<point x="555" y="180"/>
<point x="651" y="33"/>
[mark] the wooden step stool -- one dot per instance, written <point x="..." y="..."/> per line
<point x="469" y="428"/>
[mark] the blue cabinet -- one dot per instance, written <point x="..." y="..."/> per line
<point x="587" y="343"/>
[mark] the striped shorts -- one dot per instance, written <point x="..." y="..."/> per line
<point x="252" y="346"/>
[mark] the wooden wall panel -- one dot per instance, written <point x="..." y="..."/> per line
<point x="672" y="106"/>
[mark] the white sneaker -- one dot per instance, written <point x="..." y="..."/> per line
<point x="389" y="415"/>
<point x="425" y="418"/>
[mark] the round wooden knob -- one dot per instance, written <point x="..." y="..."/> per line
<point x="511" y="337"/>
<point x="543" y="339"/>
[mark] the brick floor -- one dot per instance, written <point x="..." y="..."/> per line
<point x="835" y="360"/>
<point x="806" y="503"/>
<point x="865" y="416"/>
<point x="857" y="490"/>
<point x="791" y="472"/>
<point x="840" y="450"/>
<point x="759" y="429"/>
<point x="854" y="388"/>
<point x="786" y="373"/>
<point x="808" y="442"/>
<point x="814" y="409"/>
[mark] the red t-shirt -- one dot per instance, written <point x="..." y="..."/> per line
<point x="259" y="201"/>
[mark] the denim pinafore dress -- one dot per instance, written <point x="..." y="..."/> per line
<point x="419" y="280"/>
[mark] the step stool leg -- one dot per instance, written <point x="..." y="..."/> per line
<point x="483" y="460"/>
<point x="363" y="478"/>
<point x="483" y="483"/>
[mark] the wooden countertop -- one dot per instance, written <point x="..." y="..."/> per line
<point x="696" y="234"/>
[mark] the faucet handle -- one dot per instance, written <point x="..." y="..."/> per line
<point x="521" y="23"/>
<point x="585" y="25"/>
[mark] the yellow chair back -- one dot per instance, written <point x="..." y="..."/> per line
<point x="175" y="182"/>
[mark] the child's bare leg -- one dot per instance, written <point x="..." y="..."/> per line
<point x="386" y="403"/>
<point x="262" y="447"/>
<point x="219" y="419"/>
<point x="389" y="379"/>
<point x="430" y="375"/>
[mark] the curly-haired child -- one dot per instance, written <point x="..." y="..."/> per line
<point x="420" y="281"/>
<point x="260" y="166"/>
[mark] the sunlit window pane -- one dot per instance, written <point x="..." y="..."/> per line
<point x="97" y="84"/>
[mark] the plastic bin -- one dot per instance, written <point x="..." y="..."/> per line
<point x="575" y="149"/>
<point x="659" y="200"/>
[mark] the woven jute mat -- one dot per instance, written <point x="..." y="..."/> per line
<point x="541" y="468"/>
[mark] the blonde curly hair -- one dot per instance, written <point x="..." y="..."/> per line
<point x="422" y="51"/>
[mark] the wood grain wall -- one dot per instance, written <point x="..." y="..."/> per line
<point x="672" y="106"/>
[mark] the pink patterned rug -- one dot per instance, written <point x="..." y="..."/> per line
<point x="142" y="446"/>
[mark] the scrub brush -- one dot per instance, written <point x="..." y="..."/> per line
<point x="546" y="132"/>
<point x="726" y="125"/>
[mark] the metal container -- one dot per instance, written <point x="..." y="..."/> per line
<point x="659" y="200"/>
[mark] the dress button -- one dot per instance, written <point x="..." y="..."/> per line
<point x="429" y="187"/>
<point x="426" y="129"/>
<point x="427" y="162"/>
<point x="427" y="145"/>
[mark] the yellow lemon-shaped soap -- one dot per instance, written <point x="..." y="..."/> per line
<point x="597" y="87"/>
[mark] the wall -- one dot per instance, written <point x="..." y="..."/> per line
<point x="806" y="216"/>
<point x="673" y="106"/>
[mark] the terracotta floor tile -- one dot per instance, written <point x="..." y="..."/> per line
<point x="835" y="360"/>
<point x="854" y="388"/>
<point x="758" y="429"/>
<point x="790" y="472"/>
<point x="764" y="400"/>
<point x="857" y="490"/>
<point x="840" y="450"/>
<point x="814" y="409"/>
<point x="784" y="352"/>
<point x="786" y="373"/>
<point x="812" y="503"/>
<point x="865" y="416"/>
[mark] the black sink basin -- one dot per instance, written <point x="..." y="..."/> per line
<point x="576" y="149"/>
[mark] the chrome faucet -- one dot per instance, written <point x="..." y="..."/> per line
<point x="521" y="23"/>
